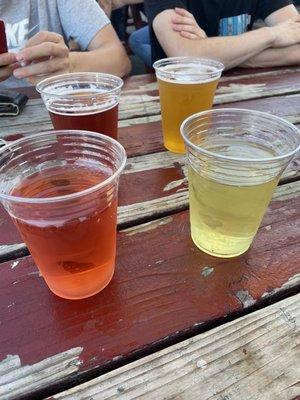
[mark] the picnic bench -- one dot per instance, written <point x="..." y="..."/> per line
<point x="174" y="323"/>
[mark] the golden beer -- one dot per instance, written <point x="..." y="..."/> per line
<point x="186" y="86"/>
<point x="235" y="160"/>
<point x="225" y="218"/>
<point x="178" y="101"/>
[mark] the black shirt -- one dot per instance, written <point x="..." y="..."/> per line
<point x="215" y="17"/>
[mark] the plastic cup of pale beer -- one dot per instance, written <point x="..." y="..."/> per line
<point x="186" y="86"/>
<point x="83" y="101"/>
<point x="235" y="160"/>
<point x="61" y="190"/>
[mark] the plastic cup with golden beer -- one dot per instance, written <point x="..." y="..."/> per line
<point x="235" y="160"/>
<point x="186" y="86"/>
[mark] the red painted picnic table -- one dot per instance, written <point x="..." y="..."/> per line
<point x="165" y="291"/>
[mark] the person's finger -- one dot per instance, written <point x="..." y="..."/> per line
<point x="184" y="28"/>
<point x="183" y="20"/>
<point x="7" y="71"/>
<point x="188" y="35"/>
<point x="7" y="59"/>
<point x="47" y="49"/>
<point x="44" y="36"/>
<point x="42" y="68"/>
<point x="183" y="12"/>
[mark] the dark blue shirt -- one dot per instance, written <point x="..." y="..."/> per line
<point x="215" y="17"/>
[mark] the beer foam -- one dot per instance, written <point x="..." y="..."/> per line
<point x="188" y="73"/>
<point x="79" y="109"/>
<point x="59" y="106"/>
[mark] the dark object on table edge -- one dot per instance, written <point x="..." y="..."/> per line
<point x="11" y="103"/>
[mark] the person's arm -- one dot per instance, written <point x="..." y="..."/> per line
<point x="281" y="15"/>
<point x="105" y="54"/>
<point x="46" y="54"/>
<point x="230" y="50"/>
<point x="276" y="57"/>
<point x="8" y="63"/>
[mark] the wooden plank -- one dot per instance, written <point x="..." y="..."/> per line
<point x="137" y="82"/>
<point x="145" y="101"/>
<point x="140" y="136"/>
<point x="135" y="103"/>
<point x="140" y="82"/>
<point x="164" y="175"/>
<point x="164" y="288"/>
<point x="253" y="357"/>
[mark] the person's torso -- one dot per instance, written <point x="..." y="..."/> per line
<point x="223" y="17"/>
<point x="24" y="18"/>
<point x="216" y="18"/>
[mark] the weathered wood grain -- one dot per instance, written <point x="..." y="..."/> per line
<point x="143" y="135"/>
<point x="138" y="82"/>
<point x="164" y="288"/>
<point x="142" y="82"/>
<point x="253" y="357"/>
<point x="164" y="175"/>
<point x="19" y="380"/>
<point x="145" y="101"/>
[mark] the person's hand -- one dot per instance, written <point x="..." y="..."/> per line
<point x="8" y="63"/>
<point x="45" y="54"/>
<point x="287" y="33"/>
<point x="185" y="23"/>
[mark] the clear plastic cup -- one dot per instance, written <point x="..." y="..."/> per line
<point x="186" y="85"/>
<point x="235" y="160"/>
<point x="83" y="101"/>
<point x="61" y="190"/>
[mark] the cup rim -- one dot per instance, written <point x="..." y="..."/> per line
<point x="72" y="196"/>
<point x="238" y="111"/>
<point x="40" y="87"/>
<point x="160" y="64"/>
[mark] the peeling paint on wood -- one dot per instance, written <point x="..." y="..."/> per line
<point x="17" y="380"/>
<point x="147" y="227"/>
<point x="139" y="212"/>
<point x="292" y="282"/>
<point x="126" y="98"/>
<point x="146" y="104"/>
<point x="158" y="275"/>
<point x="14" y="264"/>
<point x="138" y="307"/>
<point x="154" y="161"/>
<point x="245" y="298"/>
<point x="206" y="271"/>
<point x="201" y="364"/>
<point x="255" y="354"/>
<point x="5" y="248"/>
<point x="174" y="184"/>
<point x="152" y="208"/>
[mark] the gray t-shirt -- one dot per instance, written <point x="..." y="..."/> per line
<point x="77" y="20"/>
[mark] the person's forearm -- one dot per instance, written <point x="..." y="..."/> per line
<point x="234" y="50"/>
<point x="101" y="60"/>
<point x="230" y="50"/>
<point x="275" y="57"/>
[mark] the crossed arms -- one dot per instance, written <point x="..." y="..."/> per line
<point x="276" y="44"/>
